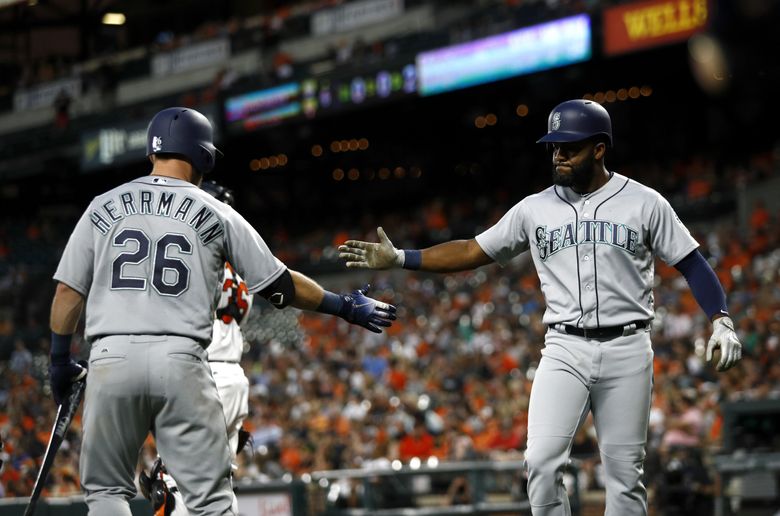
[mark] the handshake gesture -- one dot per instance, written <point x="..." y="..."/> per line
<point x="370" y="255"/>
<point x="357" y="308"/>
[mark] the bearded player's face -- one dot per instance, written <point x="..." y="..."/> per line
<point x="573" y="164"/>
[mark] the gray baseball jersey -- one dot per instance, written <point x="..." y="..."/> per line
<point x="594" y="252"/>
<point x="150" y="254"/>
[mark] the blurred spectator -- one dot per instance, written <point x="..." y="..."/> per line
<point x="62" y="109"/>
<point x="21" y="358"/>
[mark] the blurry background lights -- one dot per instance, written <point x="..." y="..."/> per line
<point x="708" y="63"/>
<point x="114" y="19"/>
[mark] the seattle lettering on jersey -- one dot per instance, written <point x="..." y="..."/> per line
<point x="126" y="205"/>
<point x="605" y="232"/>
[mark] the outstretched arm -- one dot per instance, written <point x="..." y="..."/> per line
<point x="295" y="289"/>
<point x="452" y="256"/>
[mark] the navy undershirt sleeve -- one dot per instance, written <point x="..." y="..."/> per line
<point x="704" y="284"/>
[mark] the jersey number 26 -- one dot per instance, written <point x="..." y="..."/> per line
<point x="161" y="262"/>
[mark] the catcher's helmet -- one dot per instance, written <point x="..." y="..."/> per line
<point x="185" y="132"/>
<point x="576" y="120"/>
<point x="219" y="192"/>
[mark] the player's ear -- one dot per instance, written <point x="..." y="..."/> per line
<point x="599" y="150"/>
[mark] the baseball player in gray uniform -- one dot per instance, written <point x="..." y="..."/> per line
<point x="593" y="236"/>
<point x="146" y="259"/>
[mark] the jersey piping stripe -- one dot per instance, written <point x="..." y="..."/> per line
<point x="595" y="262"/>
<point x="577" y="250"/>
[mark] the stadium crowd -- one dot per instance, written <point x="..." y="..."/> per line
<point x="451" y="379"/>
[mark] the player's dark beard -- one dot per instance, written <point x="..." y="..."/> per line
<point x="580" y="177"/>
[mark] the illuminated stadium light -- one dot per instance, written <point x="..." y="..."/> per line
<point x="396" y="465"/>
<point x="480" y="122"/>
<point x="622" y="94"/>
<point x="415" y="463"/>
<point x="399" y="172"/>
<point x="353" y="174"/>
<point x="114" y="19"/>
<point x="384" y="173"/>
<point x="282" y="159"/>
<point x="335" y="146"/>
<point x="415" y="172"/>
<point x="306" y="478"/>
<point x="491" y="119"/>
<point x="633" y="92"/>
<point x="344" y="144"/>
<point x="287" y="477"/>
<point x="338" y="174"/>
<point x="353" y="145"/>
<point x="599" y="97"/>
<point x="610" y="96"/>
<point x="254" y="165"/>
<point x="433" y="462"/>
<point x="265" y="163"/>
<point x="323" y="482"/>
<point x="316" y="150"/>
<point x="645" y="91"/>
<point x="522" y="110"/>
<point x="363" y="143"/>
<point x="587" y="96"/>
<point x="273" y="162"/>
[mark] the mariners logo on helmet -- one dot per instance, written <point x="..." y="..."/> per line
<point x="556" y="121"/>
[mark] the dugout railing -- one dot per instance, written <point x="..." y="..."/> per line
<point x="416" y="489"/>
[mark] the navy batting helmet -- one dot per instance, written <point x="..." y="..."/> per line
<point x="576" y="120"/>
<point x="185" y="132"/>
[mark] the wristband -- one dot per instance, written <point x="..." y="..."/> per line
<point x="412" y="259"/>
<point x="331" y="304"/>
<point x="60" y="345"/>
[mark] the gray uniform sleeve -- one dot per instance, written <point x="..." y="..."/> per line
<point x="78" y="260"/>
<point x="669" y="238"/>
<point x="249" y="254"/>
<point x="506" y="238"/>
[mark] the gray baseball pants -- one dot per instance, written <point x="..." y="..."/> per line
<point x="138" y="383"/>
<point x="613" y="380"/>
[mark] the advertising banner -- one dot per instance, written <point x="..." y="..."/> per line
<point x="354" y="15"/>
<point x="197" y="55"/>
<point x="649" y="24"/>
<point x="523" y="51"/>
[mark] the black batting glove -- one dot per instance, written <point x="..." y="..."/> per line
<point x="63" y="372"/>
<point x="365" y="311"/>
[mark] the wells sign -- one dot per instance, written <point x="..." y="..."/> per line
<point x="652" y="23"/>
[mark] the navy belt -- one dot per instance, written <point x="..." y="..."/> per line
<point x="603" y="332"/>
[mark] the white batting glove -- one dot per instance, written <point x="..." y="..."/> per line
<point x="724" y="338"/>
<point x="370" y="255"/>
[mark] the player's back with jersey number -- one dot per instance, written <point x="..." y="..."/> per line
<point x="156" y="247"/>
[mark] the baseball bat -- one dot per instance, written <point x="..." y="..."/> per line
<point x="65" y="414"/>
